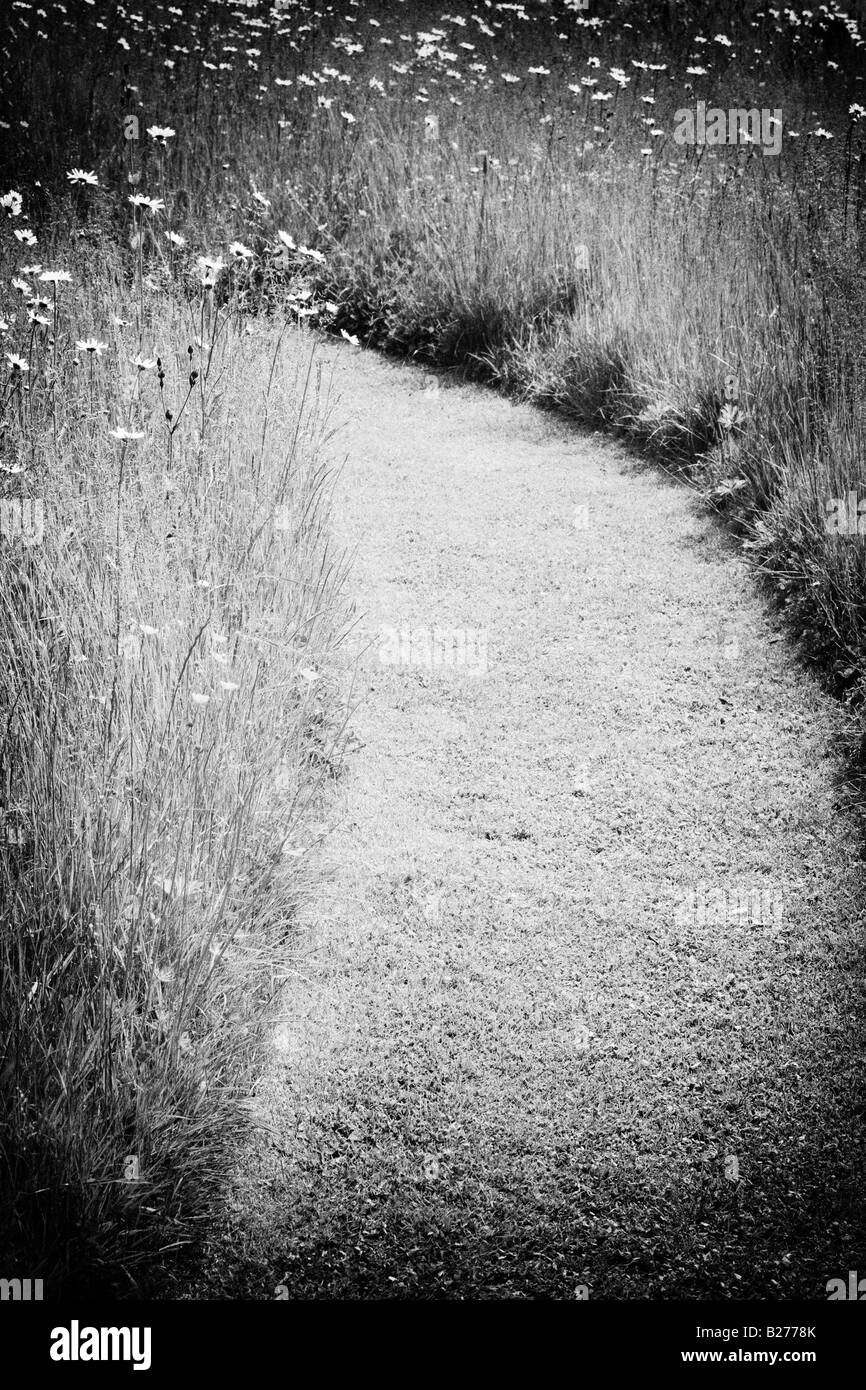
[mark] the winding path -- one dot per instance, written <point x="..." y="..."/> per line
<point x="517" y="1060"/>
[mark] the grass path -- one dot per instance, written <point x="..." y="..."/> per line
<point x="511" y="1062"/>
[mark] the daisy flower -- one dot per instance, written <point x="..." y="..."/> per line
<point x="25" y="235"/>
<point x="238" y="249"/>
<point x="124" y="433"/>
<point x="16" y="363"/>
<point x="91" y="345"/>
<point x="160" y="132"/>
<point x="176" y="239"/>
<point x="140" y="200"/>
<point x="209" y="269"/>
<point x="56" y="277"/>
<point x="83" y="176"/>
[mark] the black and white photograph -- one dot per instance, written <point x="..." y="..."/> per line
<point x="432" y="670"/>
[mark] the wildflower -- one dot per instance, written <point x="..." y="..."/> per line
<point x="857" y="111"/>
<point x="262" y="200"/>
<point x="21" y="286"/>
<point x="287" y="240"/>
<point x="348" y="117"/>
<point x="124" y="433"/>
<point x="238" y="249"/>
<point x="30" y="269"/>
<point x="539" y="72"/>
<point x="118" y="322"/>
<point x="25" y="235"/>
<point x="144" y="364"/>
<point x="199" y="699"/>
<point x="83" y="176"/>
<point x="56" y="277"/>
<point x="350" y="338"/>
<point x="160" y="133"/>
<point x="176" y="239"/>
<point x="822" y="133"/>
<point x="209" y="269"/>
<point x="140" y="200"/>
<point x="16" y="363"/>
<point x="722" y="39"/>
<point x="91" y="345"/>
<point x="229" y="685"/>
<point x="697" y="72"/>
<point x="313" y="254"/>
<point x="12" y="201"/>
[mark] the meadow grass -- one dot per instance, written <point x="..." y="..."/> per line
<point x="168" y="729"/>
<point x="424" y="183"/>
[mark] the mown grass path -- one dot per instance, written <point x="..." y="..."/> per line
<point x="511" y="1062"/>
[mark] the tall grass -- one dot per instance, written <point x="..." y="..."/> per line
<point x="167" y="728"/>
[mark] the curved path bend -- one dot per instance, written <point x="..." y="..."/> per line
<point x="577" y="1003"/>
